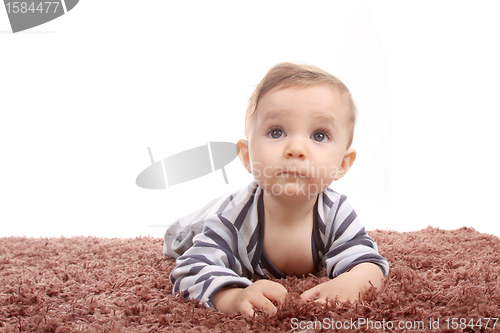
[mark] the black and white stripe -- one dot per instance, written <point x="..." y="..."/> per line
<point x="229" y="250"/>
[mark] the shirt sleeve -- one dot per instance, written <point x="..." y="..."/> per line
<point x="348" y="244"/>
<point x="214" y="261"/>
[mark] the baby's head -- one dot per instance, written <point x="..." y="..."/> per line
<point x="286" y="75"/>
<point x="299" y="127"/>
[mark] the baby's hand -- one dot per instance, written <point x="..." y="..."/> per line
<point x="342" y="287"/>
<point x="256" y="296"/>
<point x="346" y="286"/>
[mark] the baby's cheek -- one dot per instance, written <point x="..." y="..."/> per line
<point x="323" y="176"/>
<point x="317" y="186"/>
<point x="263" y="177"/>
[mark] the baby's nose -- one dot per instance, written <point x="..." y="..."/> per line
<point x="296" y="149"/>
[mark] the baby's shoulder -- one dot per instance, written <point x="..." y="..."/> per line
<point x="231" y="205"/>
<point x="331" y="197"/>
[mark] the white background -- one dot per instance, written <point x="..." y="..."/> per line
<point x="83" y="96"/>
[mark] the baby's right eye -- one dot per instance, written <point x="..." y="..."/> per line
<point x="276" y="133"/>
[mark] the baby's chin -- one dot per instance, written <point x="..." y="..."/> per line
<point x="294" y="190"/>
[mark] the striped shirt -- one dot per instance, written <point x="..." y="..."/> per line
<point x="222" y="244"/>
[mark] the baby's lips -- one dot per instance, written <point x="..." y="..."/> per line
<point x="26" y="15"/>
<point x="291" y="173"/>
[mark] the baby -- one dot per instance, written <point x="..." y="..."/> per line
<point x="299" y="128"/>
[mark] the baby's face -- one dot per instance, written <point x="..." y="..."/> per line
<point x="297" y="140"/>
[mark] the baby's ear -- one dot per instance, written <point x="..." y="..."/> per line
<point x="349" y="157"/>
<point x="243" y="154"/>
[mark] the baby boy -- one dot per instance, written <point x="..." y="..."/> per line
<point x="299" y="128"/>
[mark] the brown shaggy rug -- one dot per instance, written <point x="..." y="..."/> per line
<point x="440" y="281"/>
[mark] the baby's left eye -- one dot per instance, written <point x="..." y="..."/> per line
<point x="320" y="137"/>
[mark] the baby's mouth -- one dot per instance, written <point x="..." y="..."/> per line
<point x="290" y="174"/>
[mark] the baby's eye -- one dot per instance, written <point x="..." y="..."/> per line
<point x="320" y="136"/>
<point x="276" y="133"/>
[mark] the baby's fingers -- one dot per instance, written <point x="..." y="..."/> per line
<point x="265" y="305"/>
<point x="246" y="309"/>
<point x="277" y="294"/>
<point x="311" y="294"/>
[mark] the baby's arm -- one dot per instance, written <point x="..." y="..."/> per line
<point x="256" y="296"/>
<point x="347" y="286"/>
<point x="352" y="260"/>
<point x="212" y="263"/>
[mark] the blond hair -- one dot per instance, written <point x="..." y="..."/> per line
<point x="285" y="75"/>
